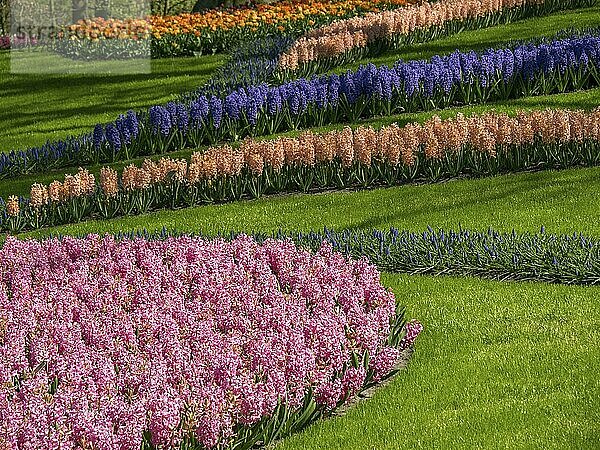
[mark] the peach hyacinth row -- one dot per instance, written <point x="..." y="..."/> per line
<point x="345" y="35"/>
<point x="391" y="145"/>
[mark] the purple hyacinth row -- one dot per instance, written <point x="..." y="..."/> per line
<point x="246" y="107"/>
<point x="103" y="340"/>
<point x="460" y="78"/>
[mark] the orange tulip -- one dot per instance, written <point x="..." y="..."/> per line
<point x="227" y="19"/>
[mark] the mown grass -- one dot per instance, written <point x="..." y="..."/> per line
<point x="488" y="37"/>
<point x="499" y="365"/>
<point x="35" y="108"/>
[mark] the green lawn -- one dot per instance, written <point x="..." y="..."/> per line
<point x="36" y="108"/>
<point x="499" y="365"/>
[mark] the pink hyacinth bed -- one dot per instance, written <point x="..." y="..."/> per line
<point x="183" y="342"/>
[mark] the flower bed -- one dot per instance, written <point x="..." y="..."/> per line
<point x="257" y="61"/>
<point x="560" y="65"/>
<point x="8" y="42"/>
<point x="184" y="342"/>
<point x="543" y="257"/>
<point x="572" y="259"/>
<point x="347" y="40"/>
<point x="213" y="31"/>
<point x="479" y="145"/>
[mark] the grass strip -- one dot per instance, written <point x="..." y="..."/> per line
<point x="563" y="201"/>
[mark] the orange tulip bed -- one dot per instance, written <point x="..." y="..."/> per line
<point x="213" y="31"/>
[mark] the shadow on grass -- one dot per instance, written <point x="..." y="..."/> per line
<point x="53" y="106"/>
<point x="456" y="202"/>
<point x="17" y="84"/>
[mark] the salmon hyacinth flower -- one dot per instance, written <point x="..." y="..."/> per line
<point x="12" y="206"/>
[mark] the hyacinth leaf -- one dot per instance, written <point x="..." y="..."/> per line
<point x="342" y="401"/>
<point x="281" y="423"/>
<point x="41" y="366"/>
<point x="387" y="376"/>
<point x="366" y="360"/>
<point x="146" y="440"/>
<point x="397" y="327"/>
<point x="272" y="423"/>
<point x="308" y="410"/>
<point x="355" y="360"/>
<point x="53" y="386"/>
<point x="369" y="380"/>
<point x="247" y="437"/>
<point x="242" y="437"/>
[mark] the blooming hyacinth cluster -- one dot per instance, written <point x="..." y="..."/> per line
<point x="406" y="80"/>
<point x="109" y="343"/>
<point x="422" y="78"/>
<point x="345" y="35"/>
<point x="392" y="145"/>
<point x="556" y="66"/>
<point x="413" y="330"/>
<point x="490" y="143"/>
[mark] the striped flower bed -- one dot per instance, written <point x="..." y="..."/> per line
<point x="462" y="146"/>
<point x="347" y="40"/>
<point x="461" y="78"/>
